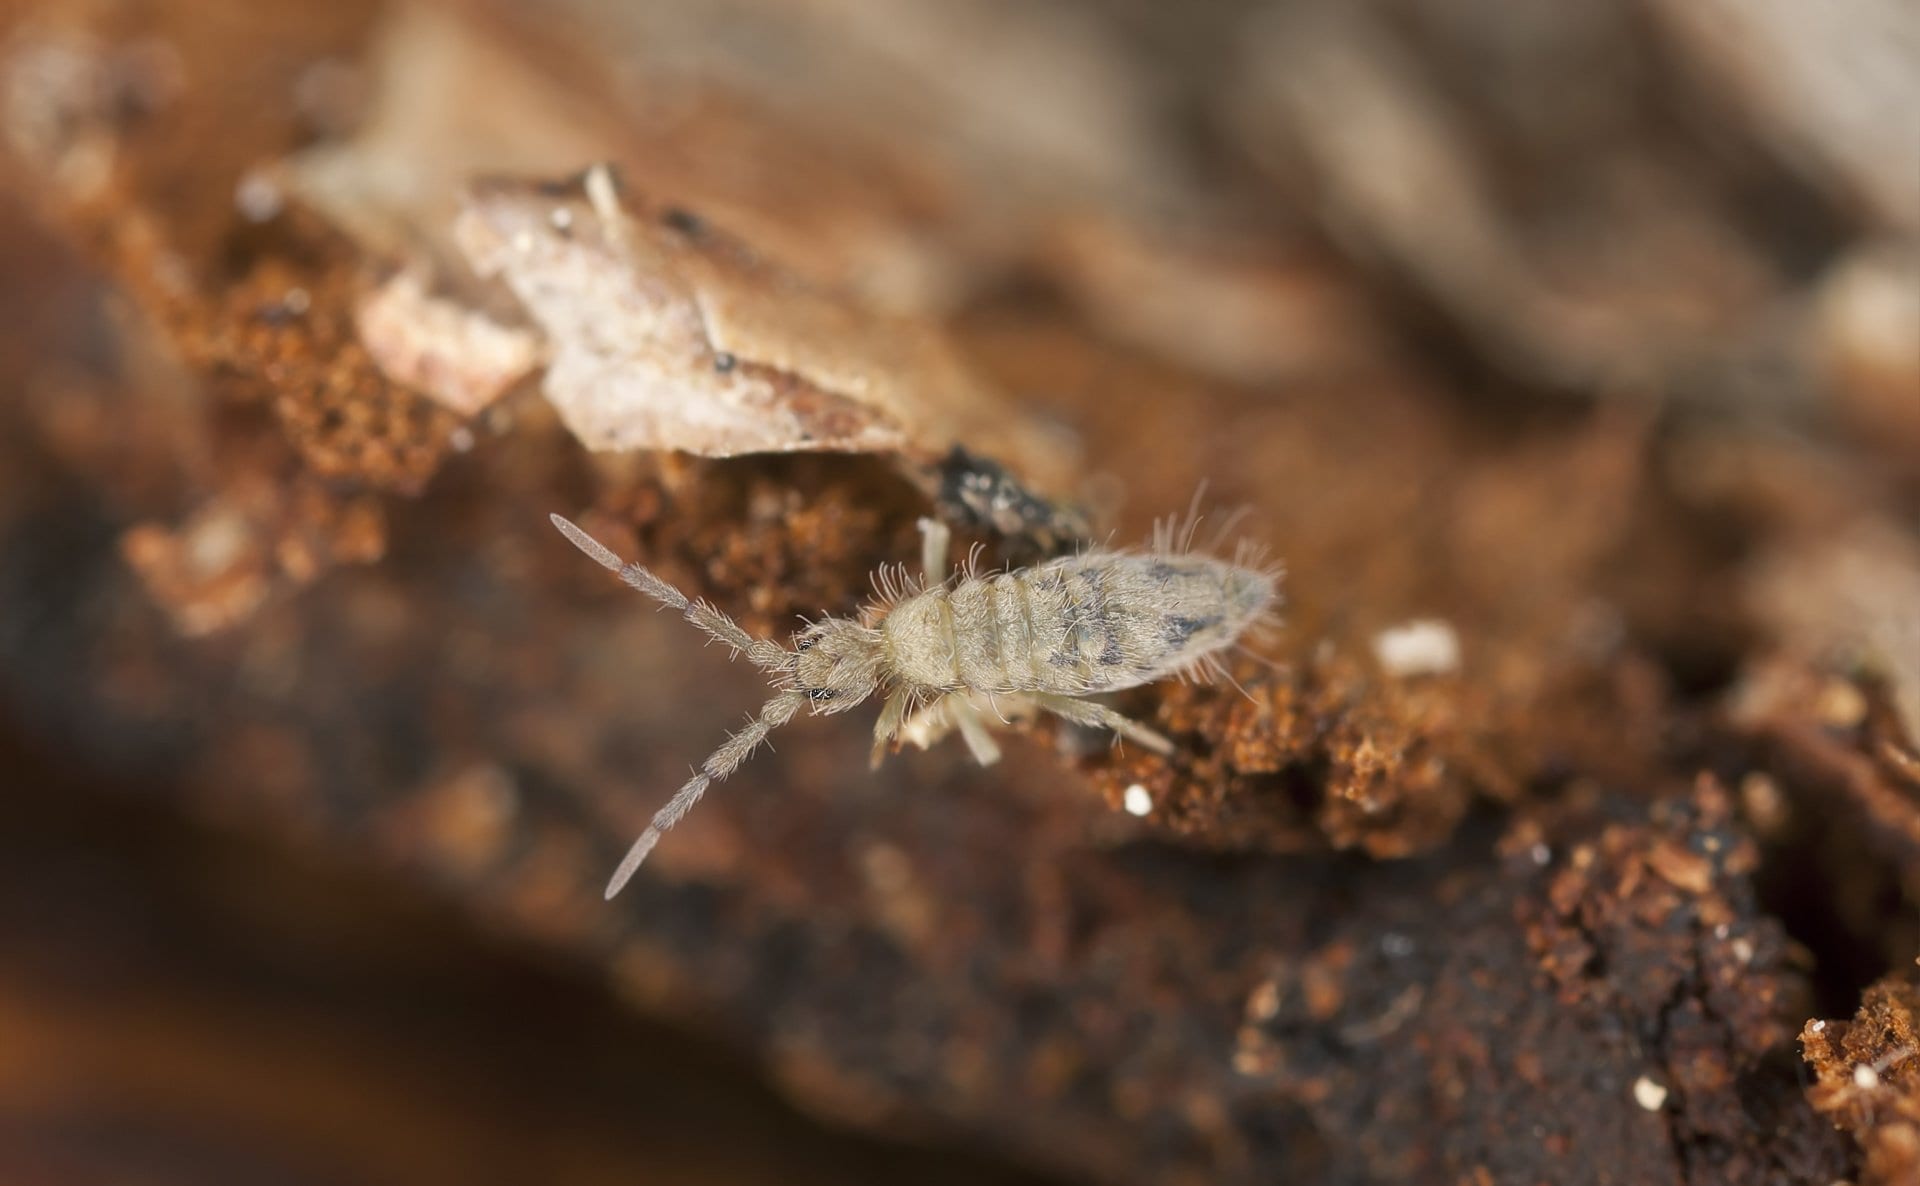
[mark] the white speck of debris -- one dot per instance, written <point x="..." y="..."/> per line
<point x="561" y="218"/>
<point x="601" y="193"/>
<point x="1648" y="1094"/>
<point x="523" y="242"/>
<point x="1865" y="1077"/>
<point x="296" y="300"/>
<point x="1743" y="950"/>
<point x="460" y="439"/>
<point x="1425" y="647"/>
<point x="1137" y="801"/>
<point x="217" y="542"/>
<point x="257" y="198"/>
<point x="1819" y="1027"/>
<point x="1541" y="854"/>
<point x="1872" y="307"/>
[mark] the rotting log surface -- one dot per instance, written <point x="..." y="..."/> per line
<point x="1555" y="915"/>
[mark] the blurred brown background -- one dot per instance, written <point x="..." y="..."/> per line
<point x="1589" y="333"/>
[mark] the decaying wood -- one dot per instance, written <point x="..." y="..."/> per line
<point x="1555" y="809"/>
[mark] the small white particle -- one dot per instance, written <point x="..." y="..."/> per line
<point x="1819" y="1027"/>
<point x="1138" y="801"/>
<point x="1743" y="950"/>
<point x="460" y="439"/>
<point x="523" y="242"/>
<point x="257" y="198"/>
<point x="603" y="196"/>
<point x="1865" y="1077"/>
<point x="1541" y="854"/>
<point x="217" y="542"/>
<point x="296" y="301"/>
<point x="1648" y="1094"/>
<point x="1425" y="647"/>
<point x="561" y="218"/>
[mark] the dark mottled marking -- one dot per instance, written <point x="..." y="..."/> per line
<point x="979" y="492"/>
<point x="685" y="221"/>
<point x="1179" y="630"/>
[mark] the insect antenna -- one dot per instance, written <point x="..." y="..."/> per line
<point x="722" y="762"/>
<point x="764" y="654"/>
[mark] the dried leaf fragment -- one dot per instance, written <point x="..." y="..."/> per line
<point x="665" y="334"/>
<point x="458" y="356"/>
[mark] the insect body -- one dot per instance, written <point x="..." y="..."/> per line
<point x="944" y="654"/>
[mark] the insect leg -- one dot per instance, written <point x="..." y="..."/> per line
<point x="889" y="723"/>
<point x="604" y="197"/>
<point x="1099" y="716"/>
<point x="928" y="725"/>
<point x="985" y="750"/>
<point x="764" y="654"/>
<point x="722" y="762"/>
<point x="935" y="539"/>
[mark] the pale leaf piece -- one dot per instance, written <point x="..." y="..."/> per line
<point x="663" y="333"/>
<point x="1855" y="594"/>
<point x="1832" y="86"/>
<point x="455" y="355"/>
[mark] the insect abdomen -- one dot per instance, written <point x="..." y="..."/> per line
<point x="1131" y="618"/>
<point x="1070" y="627"/>
<point x="1085" y="624"/>
<point x="997" y="628"/>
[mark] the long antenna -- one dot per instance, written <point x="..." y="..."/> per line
<point x="762" y="653"/>
<point x="722" y="762"/>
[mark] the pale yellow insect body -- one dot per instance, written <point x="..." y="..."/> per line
<point x="1039" y="638"/>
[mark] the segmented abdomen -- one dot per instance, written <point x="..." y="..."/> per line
<point x="1075" y="626"/>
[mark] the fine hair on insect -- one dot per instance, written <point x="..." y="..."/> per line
<point x="947" y="649"/>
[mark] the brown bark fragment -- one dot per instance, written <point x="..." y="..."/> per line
<point x="1516" y="344"/>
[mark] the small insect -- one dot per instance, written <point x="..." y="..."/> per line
<point x="945" y="652"/>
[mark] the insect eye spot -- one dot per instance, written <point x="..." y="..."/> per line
<point x="821" y="695"/>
